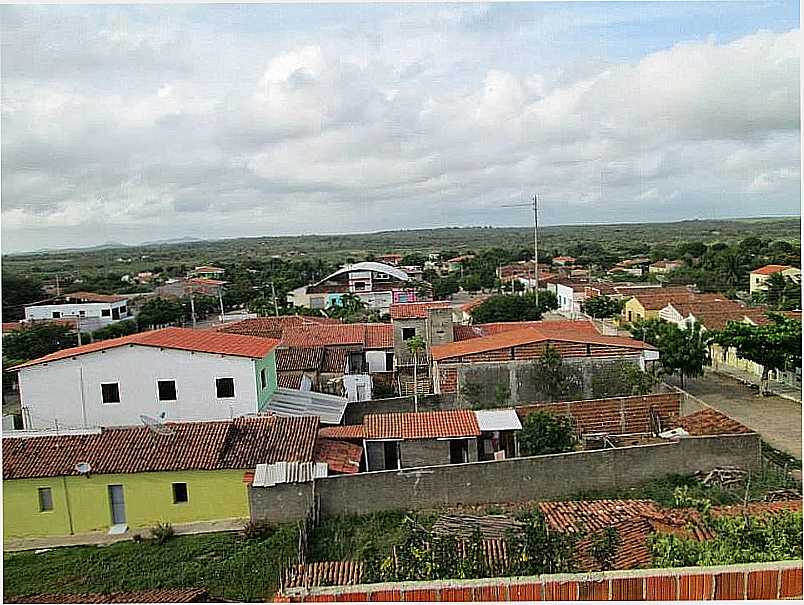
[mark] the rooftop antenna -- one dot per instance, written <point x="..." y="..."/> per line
<point x="156" y="426"/>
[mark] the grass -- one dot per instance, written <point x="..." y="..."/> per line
<point x="227" y="565"/>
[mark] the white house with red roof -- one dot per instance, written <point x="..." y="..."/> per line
<point x="92" y="310"/>
<point x="176" y="374"/>
<point x="759" y="277"/>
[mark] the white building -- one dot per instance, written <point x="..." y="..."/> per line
<point x="569" y="295"/>
<point x="93" y="311"/>
<point x="176" y="373"/>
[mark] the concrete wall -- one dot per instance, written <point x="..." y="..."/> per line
<point x="357" y="410"/>
<point x="524" y="479"/>
<point x="288" y="502"/>
<point x="767" y="581"/>
<point x="69" y="390"/>
<point x="401" y="354"/>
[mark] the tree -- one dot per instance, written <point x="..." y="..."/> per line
<point x="116" y="330"/>
<point x="783" y="293"/>
<point x="416" y="346"/>
<point x="681" y="351"/>
<point x="555" y="380"/>
<point x="19" y="291"/>
<point x="506" y="307"/>
<point x="602" y="306"/>
<point x="544" y="433"/>
<point x="160" y="312"/>
<point x="37" y="340"/>
<point x="775" y="345"/>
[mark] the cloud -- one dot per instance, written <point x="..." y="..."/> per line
<point x="409" y="121"/>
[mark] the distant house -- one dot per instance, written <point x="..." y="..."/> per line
<point x="570" y="293"/>
<point x="376" y="284"/>
<point x="197" y="286"/>
<point x="175" y="373"/>
<point x="207" y="272"/>
<point x="457" y="263"/>
<point x="563" y="260"/>
<point x="389" y="259"/>
<point x="648" y="303"/>
<point x="665" y="266"/>
<point x="416" y="439"/>
<point x="133" y="478"/>
<point x="759" y="277"/>
<point x="93" y="311"/>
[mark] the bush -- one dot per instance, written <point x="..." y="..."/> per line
<point x="258" y="530"/>
<point x="162" y="532"/>
<point x="543" y="433"/>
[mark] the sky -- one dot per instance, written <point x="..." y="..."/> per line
<point x="131" y="124"/>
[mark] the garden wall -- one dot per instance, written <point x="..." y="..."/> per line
<point x="768" y="581"/>
<point x="550" y="477"/>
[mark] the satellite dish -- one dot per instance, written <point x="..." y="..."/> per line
<point x="155" y="426"/>
<point x="83" y="468"/>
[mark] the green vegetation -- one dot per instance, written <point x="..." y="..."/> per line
<point x="775" y="345"/>
<point x="602" y="306"/>
<point x="556" y="380"/>
<point x="544" y="433"/>
<point x="783" y="293"/>
<point x="36" y="340"/>
<point x="624" y="379"/>
<point x="228" y="565"/>
<point x="684" y="352"/>
<point x="19" y="291"/>
<point x="351" y="537"/>
<point x="512" y="307"/>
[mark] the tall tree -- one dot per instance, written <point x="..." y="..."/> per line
<point x="416" y="347"/>
<point x="602" y="306"/>
<point x="775" y="345"/>
<point x="37" y="340"/>
<point x="19" y="291"/>
<point x="681" y="351"/>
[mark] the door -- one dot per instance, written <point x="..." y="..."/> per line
<point x="115" y="313"/>
<point x="118" y="504"/>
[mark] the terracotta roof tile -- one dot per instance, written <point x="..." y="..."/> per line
<point x="379" y="336"/>
<point x="339" y="335"/>
<point x="421" y="425"/>
<point x="416" y="310"/>
<point x="463" y="332"/>
<point x="272" y="327"/>
<point x="657" y="299"/>
<point x="771" y="269"/>
<point x="185" y="339"/>
<point x="299" y="358"/>
<point x="239" y="443"/>
<point x="93" y="297"/>
<point x="346" y="431"/>
<point x="340" y="456"/>
<point x="158" y="595"/>
<point x="710" y="422"/>
<point x="289" y="380"/>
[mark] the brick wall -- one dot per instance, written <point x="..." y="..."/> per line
<point x="536" y="350"/>
<point x="613" y="415"/>
<point x="552" y="477"/>
<point x="778" y="580"/>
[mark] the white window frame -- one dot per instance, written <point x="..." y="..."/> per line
<point x="234" y="389"/>
<point x="119" y="393"/>
<point x="175" y="388"/>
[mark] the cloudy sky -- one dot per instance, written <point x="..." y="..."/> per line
<point x="134" y="124"/>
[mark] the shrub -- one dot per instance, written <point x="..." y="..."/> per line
<point x="258" y="530"/>
<point x="543" y="433"/>
<point x="162" y="532"/>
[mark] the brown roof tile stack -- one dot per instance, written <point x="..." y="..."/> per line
<point x="324" y="573"/>
<point x="340" y="456"/>
<point x="233" y="444"/>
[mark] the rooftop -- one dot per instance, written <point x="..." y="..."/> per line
<point x="711" y="422"/>
<point x="340" y="456"/>
<point x="416" y="310"/>
<point x="655" y="300"/>
<point x="184" y="339"/>
<point x="771" y="269"/>
<point x="421" y="425"/>
<point x="241" y="443"/>
<point x="273" y="327"/>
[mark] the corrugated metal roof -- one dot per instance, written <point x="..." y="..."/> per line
<point x="290" y="402"/>
<point x="268" y="475"/>
<point x="498" y="420"/>
<point x="369" y="266"/>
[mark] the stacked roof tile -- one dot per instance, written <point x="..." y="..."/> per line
<point x="156" y="595"/>
<point x="345" y="431"/>
<point x="711" y="422"/>
<point x="340" y="456"/>
<point x="232" y="444"/>
<point x="185" y="339"/>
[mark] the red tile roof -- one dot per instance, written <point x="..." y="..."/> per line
<point x="421" y="425"/>
<point x="710" y="422"/>
<point x="462" y="332"/>
<point x="474" y="303"/>
<point x="184" y="339"/>
<point x="272" y="327"/>
<point x="417" y="310"/>
<point x="299" y="358"/>
<point x="379" y="336"/>
<point x="241" y="443"/>
<point x="657" y="299"/>
<point x="513" y="338"/>
<point x="157" y="595"/>
<point x="203" y="281"/>
<point x="340" y="456"/>
<point x="369" y="336"/>
<point x="770" y="269"/>
<point x="93" y="297"/>
<point x="715" y="314"/>
<point x="346" y="431"/>
<point x="208" y="269"/>
<point x="289" y="380"/>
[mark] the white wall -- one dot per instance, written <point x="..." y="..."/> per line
<point x="54" y="391"/>
<point x="351" y="382"/>
<point x="92" y="312"/>
<point x="376" y="362"/>
<point x="568" y="300"/>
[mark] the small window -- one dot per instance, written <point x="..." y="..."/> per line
<point x="167" y="390"/>
<point x="389" y="362"/>
<point x="123" y="310"/>
<point x="263" y="378"/>
<point x="110" y="392"/>
<point x="82" y="313"/>
<point x="56" y="314"/>
<point x="224" y="388"/>
<point x="179" y="493"/>
<point x="408" y="333"/>
<point x="106" y="312"/>
<point x="45" y="499"/>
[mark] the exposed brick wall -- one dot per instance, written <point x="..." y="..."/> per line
<point x="780" y="580"/>
<point x="536" y="350"/>
<point x="449" y="379"/>
<point x="613" y="415"/>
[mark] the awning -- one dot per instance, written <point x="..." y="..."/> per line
<point x="498" y="420"/>
<point x="293" y="402"/>
<point x="268" y="475"/>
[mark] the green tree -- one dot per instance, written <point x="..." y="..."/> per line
<point x="506" y="307"/>
<point x="775" y="345"/>
<point x="602" y="306"/>
<point x="37" y="340"/>
<point x="160" y="312"/>
<point x="544" y="433"/>
<point x="555" y="380"/>
<point x="416" y="346"/>
<point x="116" y="330"/>
<point x="783" y="293"/>
<point x="537" y="550"/>
<point x="19" y="291"/>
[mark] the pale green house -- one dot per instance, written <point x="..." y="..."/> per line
<point x="132" y="477"/>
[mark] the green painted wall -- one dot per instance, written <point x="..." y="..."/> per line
<point x="264" y="395"/>
<point x="148" y="497"/>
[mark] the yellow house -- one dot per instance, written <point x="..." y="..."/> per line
<point x="759" y="277"/>
<point x="646" y="305"/>
<point x="130" y="478"/>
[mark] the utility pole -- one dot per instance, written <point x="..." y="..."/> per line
<point x="536" y="246"/>
<point x="273" y="295"/>
<point x="220" y="299"/>
<point x="192" y="306"/>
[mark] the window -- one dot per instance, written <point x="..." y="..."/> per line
<point x="56" y="314"/>
<point x="106" y="313"/>
<point x="458" y="451"/>
<point x="408" y="333"/>
<point x="263" y="378"/>
<point x="123" y="310"/>
<point x="82" y="313"/>
<point x="167" y="390"/>
<point x="391" y="453"/>
<point x="179" y="493"/>
<point x="224" y="388"/>
<point x="389" y="362"/>
<point x="110" y="392"/>
<point x="45" y="499"/>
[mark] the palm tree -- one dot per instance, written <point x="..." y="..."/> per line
<point x="415" y="346"/>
